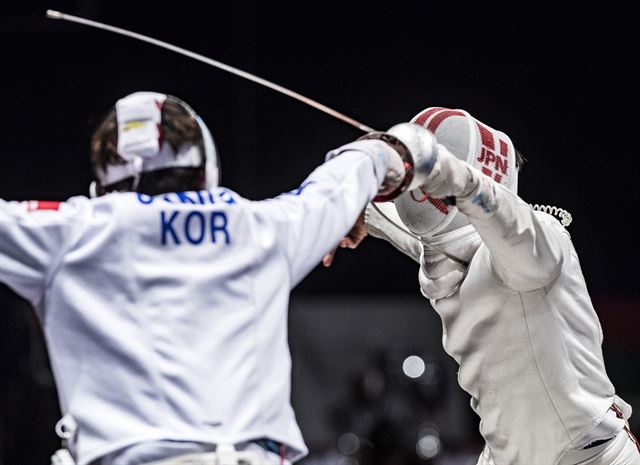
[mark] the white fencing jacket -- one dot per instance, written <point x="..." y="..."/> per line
<point x="166" y="317"/>
<point x="524" y="332"/>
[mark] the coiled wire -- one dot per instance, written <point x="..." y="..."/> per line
<point x="563" y="215"/>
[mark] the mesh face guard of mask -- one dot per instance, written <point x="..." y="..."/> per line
<point x="140" y="145"/>
<point x="484" y="148"/>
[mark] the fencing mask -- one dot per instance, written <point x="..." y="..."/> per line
<point x="486" y="149"/>
<point x="142" y="149"/>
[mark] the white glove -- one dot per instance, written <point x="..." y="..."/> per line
<point x="450" y="177"/>
<point x="475" y="193"/>
<point x="439" y="172"/>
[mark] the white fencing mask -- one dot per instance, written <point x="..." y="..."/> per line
<point x="482" y="147"/>
<point x="141" y="145"/>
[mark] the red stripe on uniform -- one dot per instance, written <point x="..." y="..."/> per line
<point x="487" y="171"/>
<point x="487" y="137"/>
<point x="44" y="205"/>
<point x="440" y="117"/>
<point x="425" y="115"/>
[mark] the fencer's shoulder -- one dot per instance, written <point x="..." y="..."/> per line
<point x="53" y="209"/>
<point x="110" y="202"/>
<point x="545" y="217"/>
<point x="552" y="225"/>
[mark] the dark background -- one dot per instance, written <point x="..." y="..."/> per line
<point x="560" y="79"/>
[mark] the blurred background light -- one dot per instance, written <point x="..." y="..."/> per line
<point x="413" y="366"/>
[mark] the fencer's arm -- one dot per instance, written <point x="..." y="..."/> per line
<point x="312" y="219"/>
<point x="383" y="222"/>
<point x="526" y="247"/>
<point x="31" y="241"/>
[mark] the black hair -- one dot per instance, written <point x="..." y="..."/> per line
<point x="178" y="127"/>
<point x="520" y="159"/>
<point x="179" y="179"/>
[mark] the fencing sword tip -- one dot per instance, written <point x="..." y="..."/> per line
<point x="53" y="14"/>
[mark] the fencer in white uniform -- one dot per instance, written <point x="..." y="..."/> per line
<point x="516" y="314"/>
<point x="165" y="315"/>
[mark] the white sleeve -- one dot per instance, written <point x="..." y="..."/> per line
<point x="526" y="247"/>
<point x="312" y="219"/>
<point x="32" y="240"/>
<point x="383" y="222"/>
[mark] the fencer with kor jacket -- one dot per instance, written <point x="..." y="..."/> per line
<point x="515" y="310"/>
<point x="166" y="316"/>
